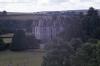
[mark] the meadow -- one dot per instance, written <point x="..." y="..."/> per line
<point x="25" y="58"/>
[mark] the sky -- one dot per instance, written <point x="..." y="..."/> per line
<point x="46" y="5"/>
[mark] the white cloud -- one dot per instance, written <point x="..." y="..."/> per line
<point x="57" y="1"/>
<point x="15" y="1"/>
<point x="46" y="5"/>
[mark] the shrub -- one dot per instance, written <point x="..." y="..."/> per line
<point x="2" y="45"/>
<point x="32" y="42"/>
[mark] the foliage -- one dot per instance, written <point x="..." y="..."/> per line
<point x="58" y="53"/>
<point x="32" y="42"/>
<point x="88" y="55"/>
<point x="91" y="24"/>
<point x="76" y="43"/>
<point x="3" y="46"/>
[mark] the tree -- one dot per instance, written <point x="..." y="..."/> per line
<point x="76" y="43"/>
<point x="4" y="13"/>
<point x="58" y="54"/>
<point x="91" y="24"/>
<point x="88" y="55"/>
<point x="19" y="41"/>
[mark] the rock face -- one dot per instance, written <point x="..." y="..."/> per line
<point x="48" y="26"/>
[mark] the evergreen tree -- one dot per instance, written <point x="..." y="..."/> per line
<point x="19" y="41"/>
<point x="91" y="24"/>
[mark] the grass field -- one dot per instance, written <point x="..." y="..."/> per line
<point x="26" y="58"/>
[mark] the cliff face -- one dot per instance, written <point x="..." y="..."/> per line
<point x="47" y="26"/>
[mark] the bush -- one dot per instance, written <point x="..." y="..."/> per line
<point x="32" y="42"/>
<point x="2" y="45"/>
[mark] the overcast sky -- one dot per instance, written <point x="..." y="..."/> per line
<point x="46" y="5"/>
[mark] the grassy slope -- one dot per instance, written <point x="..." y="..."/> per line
<point x="8" y="58"/>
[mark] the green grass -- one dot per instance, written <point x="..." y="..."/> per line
<point x="25" y="58"/>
